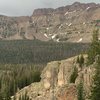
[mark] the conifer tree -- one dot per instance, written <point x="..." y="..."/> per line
<point x="77" y="61"/>
<point x="95" y="91"/>
<point x="74" y="75"/>
<point x="81" y="91"/>
<point x="81" y="61"/>
<point x="94" y="47"/>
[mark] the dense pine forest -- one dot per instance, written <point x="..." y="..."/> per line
<point x="14" y="77"/>
<point x="37" y="52"/>
<point x="21" y="62"/>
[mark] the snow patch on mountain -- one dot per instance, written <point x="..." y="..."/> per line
<point x="70" y="24"/>
<point x="79" y="40"/>
<point x="46" y="35"/>
<point x="57" y="40"/>
<point x="47" y="28"/>
<point x="66" y="13"/>
<point x="60" y="26"/>
<point x="54" y="36"/>
<point x="87" y="8"/>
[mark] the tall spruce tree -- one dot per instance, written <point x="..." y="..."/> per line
<point x="95" y="91"/>
<point x="94" y="47"/>
<point x="74" y="75"/>
<point x="81" y="61"/>
<point x="81" y="95"/>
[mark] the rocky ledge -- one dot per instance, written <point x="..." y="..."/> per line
<point x="55" y="81"/>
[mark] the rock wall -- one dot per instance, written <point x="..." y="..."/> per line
<point x="55" y="81"/>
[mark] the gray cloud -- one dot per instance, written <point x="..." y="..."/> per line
<point x="26" y="7"/>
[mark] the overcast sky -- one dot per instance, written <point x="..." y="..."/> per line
<point x="26" y="7"/>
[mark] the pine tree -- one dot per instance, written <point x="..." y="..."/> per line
<point x="81" y="61"/>
<point x="81" y="91"/>
<point x="94" y="47"/>
<point x="74" y="75"/>
<point x="77" y="61"/>
<point x="95" y="91"/>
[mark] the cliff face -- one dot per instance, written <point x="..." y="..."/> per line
<point x="60" y="24"/>
<point x="55" y="82"/>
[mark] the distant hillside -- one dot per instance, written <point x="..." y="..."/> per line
<point x="37" y="52"/>
<point x="73" y="23"/>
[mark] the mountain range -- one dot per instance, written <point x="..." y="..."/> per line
<point x="71" y="23"/>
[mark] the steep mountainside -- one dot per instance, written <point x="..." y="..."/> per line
<point x="55" y="81"/>
<point x="69" y="23"/>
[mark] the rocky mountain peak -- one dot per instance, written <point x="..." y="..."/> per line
<point x="43" y="11"/>
<point x="74" y="6"/>
<point x="72" y="23"/>
<point x="76" y="3"/>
